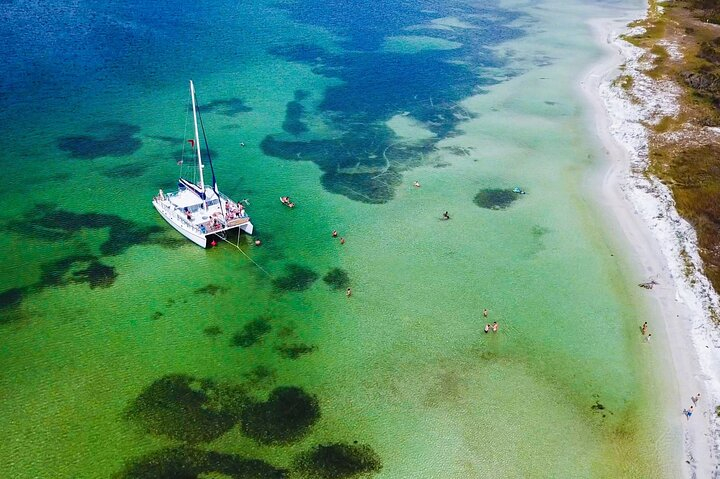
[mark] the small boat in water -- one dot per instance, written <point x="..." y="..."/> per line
<point x="199" y="212"/>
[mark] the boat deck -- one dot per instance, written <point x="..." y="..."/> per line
<point x="221" y="213"/>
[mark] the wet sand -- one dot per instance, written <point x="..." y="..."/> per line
<point x="675" y="316"/>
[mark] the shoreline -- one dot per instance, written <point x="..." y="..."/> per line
<point x="641" y="210"/>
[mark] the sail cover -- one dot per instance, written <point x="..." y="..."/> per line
<point x="183" y="183"/>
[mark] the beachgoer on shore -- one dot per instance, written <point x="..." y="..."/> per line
<point x="644" y="328"/>
<point x="487" y="328"/>
<point x="689" y="412"/>
<point x="695" y="399"/>
<point x="495" y="327"/>
<point x="647" y="338"/>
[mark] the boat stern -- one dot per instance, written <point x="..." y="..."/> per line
<point x="247" y="227"/>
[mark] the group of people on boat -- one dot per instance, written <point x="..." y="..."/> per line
<point x="234" y="210"/>
<point x="287" y="201"/>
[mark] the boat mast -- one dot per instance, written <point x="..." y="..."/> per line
<point x="197" y="139"/>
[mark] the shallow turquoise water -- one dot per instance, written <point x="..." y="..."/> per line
<point x="401" y="366"/>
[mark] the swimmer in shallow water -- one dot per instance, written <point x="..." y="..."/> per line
<point x="446" y="216"/>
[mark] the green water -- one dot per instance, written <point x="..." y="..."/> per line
<point x="564" y="389"/>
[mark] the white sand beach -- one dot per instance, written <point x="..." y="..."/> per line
<point x="642" y="212"/>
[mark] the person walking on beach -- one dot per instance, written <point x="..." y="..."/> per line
<point x="689" y="412"/>
<point x="495" y="327"/>
<point x="647" y="338"/>
<point x="695" y="399"/>
<point x="485" y="312"/>
<point x="644" y="328"/>
<point x="487" y="328"/>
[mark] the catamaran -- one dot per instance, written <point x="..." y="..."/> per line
<point x="198" y="212"/>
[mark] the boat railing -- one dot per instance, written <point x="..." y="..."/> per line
<point x="186" y="223"/>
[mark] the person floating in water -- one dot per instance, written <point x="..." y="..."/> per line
<point x="416" y="184"/>
<point x="446" y="216"/>
<point x="334" y="234"/>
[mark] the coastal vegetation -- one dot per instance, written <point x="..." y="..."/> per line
<point x="682" y="149"/>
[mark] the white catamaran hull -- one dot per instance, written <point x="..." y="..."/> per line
<point x="194" y="236"/>
<point x="201" y="239"/>
<point x="247" y="227"/>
